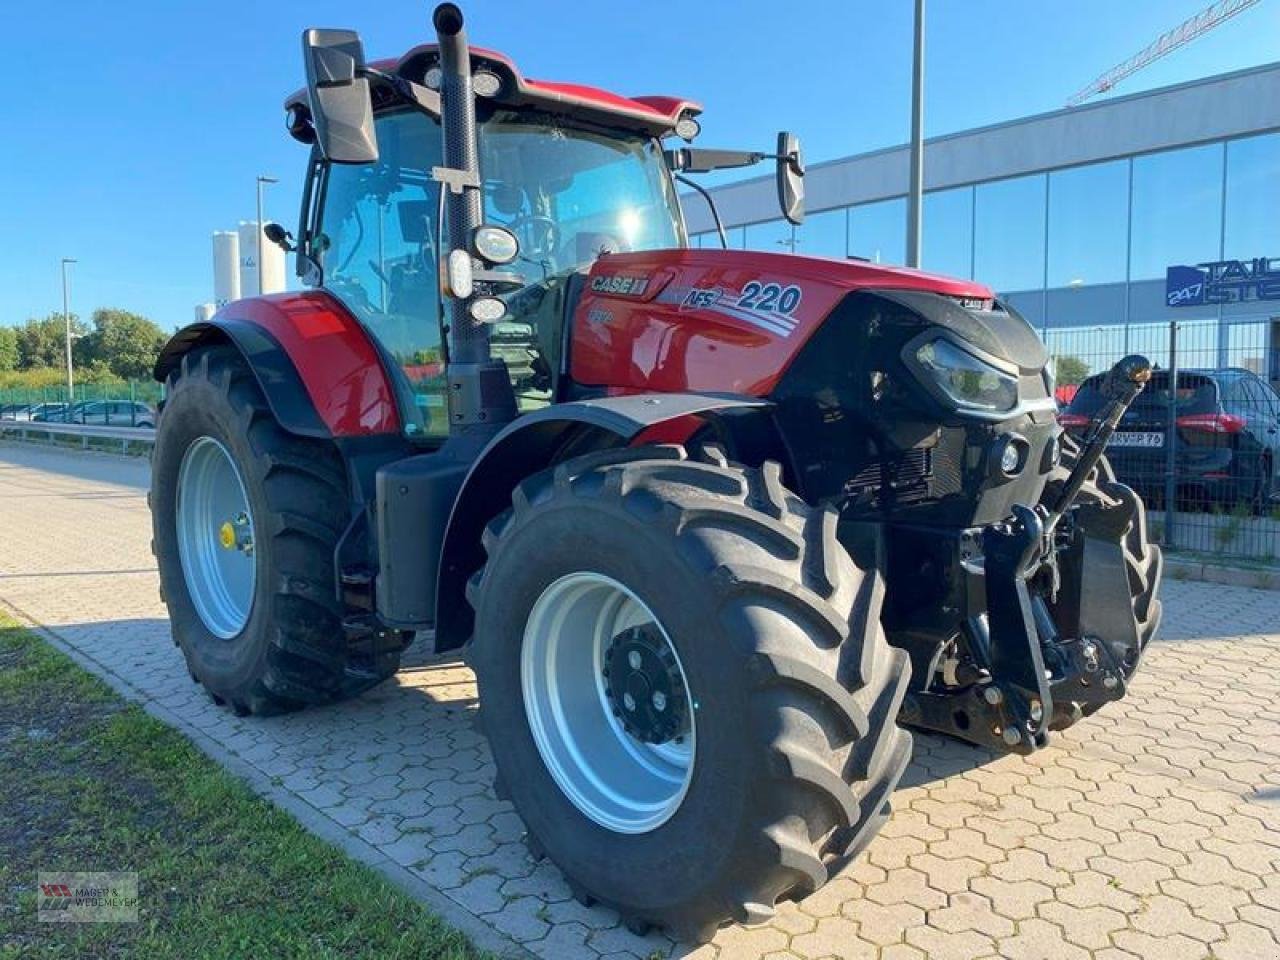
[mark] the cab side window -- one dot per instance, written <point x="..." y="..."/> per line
<point x="376" y="243"/>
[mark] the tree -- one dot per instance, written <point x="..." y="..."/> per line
<point x="42" y="343"/>
<point x="125" y="343"/>
<point x="1069" y="370"/>
<point x="8" y="349"/>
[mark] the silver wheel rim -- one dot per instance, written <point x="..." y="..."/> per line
<point x="215" y="538"/>
<point x="622" y="783"/>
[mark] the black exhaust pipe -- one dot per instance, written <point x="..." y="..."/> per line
<point x="481" y="397"/>
<point x="463" y="210"/>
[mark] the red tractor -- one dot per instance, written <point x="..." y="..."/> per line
<point x="709" y="524"/>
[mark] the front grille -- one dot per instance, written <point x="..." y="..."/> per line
<point x="903" y="478"/>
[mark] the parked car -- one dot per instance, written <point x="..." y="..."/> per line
<point x="1228" y="436"/>
<point x="55" y="412"/>
<point x="113" y="413"/>
<point x="39" y="411"/>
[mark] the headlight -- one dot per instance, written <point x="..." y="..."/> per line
<point x="496" y="244"/>
<point x="968" y="381"/>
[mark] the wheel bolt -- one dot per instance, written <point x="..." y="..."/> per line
<point x="633" y="658"/>
<point x="629" y="702"/>
<point x="659" y="700"/>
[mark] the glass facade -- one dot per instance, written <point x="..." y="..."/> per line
<point x="878" y="231"/>
<point x="946" y="239"/>
<point x="1177" y="209"/>
<point x="1252" y="227"/>
<point x="1083" y="250"/>
<point x="1088" y="224"/>
<point x="1008" y="231"/>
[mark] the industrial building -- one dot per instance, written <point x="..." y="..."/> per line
<point x="1099" y="223"/>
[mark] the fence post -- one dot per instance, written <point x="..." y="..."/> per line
<point x="1171" y="442"/>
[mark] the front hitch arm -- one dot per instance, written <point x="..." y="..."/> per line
<point x="1121" y="386"/>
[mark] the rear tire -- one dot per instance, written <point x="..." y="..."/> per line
<point x="794" y="690"/>
<point x="287" y="647"/>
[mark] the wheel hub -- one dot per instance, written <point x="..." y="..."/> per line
<point x="643" y="685"/>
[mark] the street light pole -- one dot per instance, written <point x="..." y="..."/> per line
<point x="66" y="317"/>
<point x="915" y="192"/>
<point x="262" y="180"/>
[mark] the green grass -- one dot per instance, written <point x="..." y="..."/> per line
<point x="89" y="782"/>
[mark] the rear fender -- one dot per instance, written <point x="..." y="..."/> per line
<point x="319" y="370"/>
<point x="533" y="443"/>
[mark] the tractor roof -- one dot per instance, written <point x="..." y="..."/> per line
<point x="654" y="115"/>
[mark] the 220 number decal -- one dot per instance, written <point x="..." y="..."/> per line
<point x="770" y="298"/>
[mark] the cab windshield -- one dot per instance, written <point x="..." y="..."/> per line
<point x="569" y="193"/>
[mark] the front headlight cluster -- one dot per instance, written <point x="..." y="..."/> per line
<point x="967" y="381"/>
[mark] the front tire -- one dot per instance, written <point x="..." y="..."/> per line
<point x="782" y="771"/>
<point x="245" y="519"/>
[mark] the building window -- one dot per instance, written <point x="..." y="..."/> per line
<point x="824" y="234"/>
<point x="1088" y="224"/>
<point x="1253" y="198"/>
<point x="1177" y="209"/>
<point x="947" y="237"/>
<point x="1009" y="233"/>
<point x="878" y="231"/>
<point x="773" y="236"/>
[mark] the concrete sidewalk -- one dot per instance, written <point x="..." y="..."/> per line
<point x="1151" y="830"/>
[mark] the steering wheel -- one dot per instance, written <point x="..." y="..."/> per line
<point x="543" y="233"/>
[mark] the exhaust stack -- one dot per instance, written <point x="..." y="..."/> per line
<point x="480" y="392"/>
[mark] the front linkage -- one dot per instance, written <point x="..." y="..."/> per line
<point x="1055" y="636"/>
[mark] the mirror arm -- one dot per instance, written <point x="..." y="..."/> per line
<point x="424" y="98"/>
<point x="711" y="203"/>
<point x="697" y="160"/>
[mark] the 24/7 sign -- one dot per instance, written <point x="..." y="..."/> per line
<point x="1223" y="281"/>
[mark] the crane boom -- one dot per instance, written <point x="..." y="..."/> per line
<point x="1179" y="36"/>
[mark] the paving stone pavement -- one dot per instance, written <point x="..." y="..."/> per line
<point x="1151" y="830"/>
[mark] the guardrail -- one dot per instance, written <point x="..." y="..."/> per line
<point x="125" y="435"/>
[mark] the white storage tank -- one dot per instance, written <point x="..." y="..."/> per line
<point x="273" y="261"/>
<point x="248" y="231"/>
<point x="226" y="267"/>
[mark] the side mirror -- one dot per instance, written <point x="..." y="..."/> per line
<point x="791" y="177"/>
<point x="279" y="236"/>
<point x="341" y="107"/>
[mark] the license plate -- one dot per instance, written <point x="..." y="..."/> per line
<point x="1136" y="438"/>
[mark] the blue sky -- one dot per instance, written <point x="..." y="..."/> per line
<point x="134" y="130"/>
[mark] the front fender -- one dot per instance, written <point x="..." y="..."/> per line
<point x="529" y="445"/>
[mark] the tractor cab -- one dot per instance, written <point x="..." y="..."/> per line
<point x="565" y="191"/>
<point x="570" y="173"/>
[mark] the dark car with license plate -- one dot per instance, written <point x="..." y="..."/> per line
<point x="1226" y="426"/>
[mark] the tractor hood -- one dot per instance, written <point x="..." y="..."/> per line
<point x="731" y="320"/>
<point x="845" y="274"/>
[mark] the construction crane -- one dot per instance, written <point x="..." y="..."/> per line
<point x="1179" y="36"/>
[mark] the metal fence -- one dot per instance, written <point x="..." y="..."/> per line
<point x="125" y="404"/>
<point x="1202" y="443"/>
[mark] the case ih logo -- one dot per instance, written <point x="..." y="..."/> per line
<point x="620" y="284"/>
<point x="1223" y="281"/>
